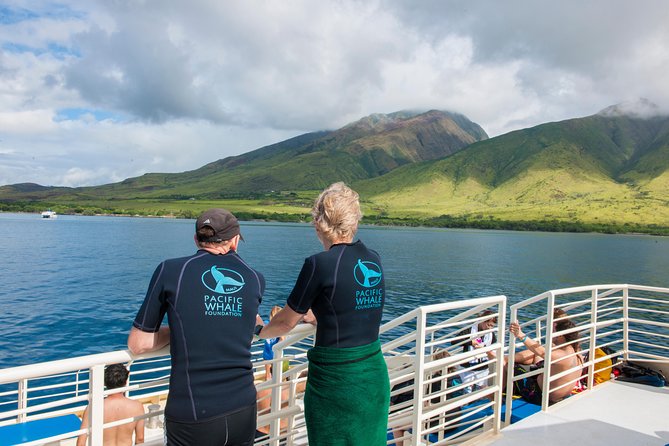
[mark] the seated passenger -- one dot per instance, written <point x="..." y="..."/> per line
<point x="528" y="357"/>
<point x="433" y="388"/>
<point x="117" y="407"/>
<point x="268" y="344"/>
<point x="265" y="403"/>
<point x="473" y="371"/>
<point x="564" y="357"/>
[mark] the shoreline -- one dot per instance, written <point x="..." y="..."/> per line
<point x="443" y="222"/>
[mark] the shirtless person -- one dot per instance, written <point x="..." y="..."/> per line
<point x="564" y="356"/>
<point x="118" y="407"/>
<point x="264" y="403"/>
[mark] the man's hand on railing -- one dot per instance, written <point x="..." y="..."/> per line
<point x="310" y="318"/>
<point x="140" y="342"/>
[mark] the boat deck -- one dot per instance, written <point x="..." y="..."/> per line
<point x="615" y="413"/>
<point x="612" y="413"/>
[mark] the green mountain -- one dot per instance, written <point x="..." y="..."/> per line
<point x="606" y="170"/>
<point x="610" y="168"/>
<point x="370" y="147"/>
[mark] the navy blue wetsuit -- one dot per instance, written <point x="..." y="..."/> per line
<point x="211" y="302"/>
<point x="345" y="288"/>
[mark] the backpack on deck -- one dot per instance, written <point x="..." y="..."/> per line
<point x="634" y="373"/>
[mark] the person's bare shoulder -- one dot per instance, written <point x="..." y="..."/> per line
<point x="136" y="406"/>
<point x="558" y="353"/>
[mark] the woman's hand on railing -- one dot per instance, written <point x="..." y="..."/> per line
<point x="515" y="330"/>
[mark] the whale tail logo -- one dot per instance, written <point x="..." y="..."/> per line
<point x="370" y="272"/>
<point x="221" y="280"/>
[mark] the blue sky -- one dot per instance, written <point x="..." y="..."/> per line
<point x="93" y="92"/>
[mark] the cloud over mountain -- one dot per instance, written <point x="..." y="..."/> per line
<point x="86" y="86"/>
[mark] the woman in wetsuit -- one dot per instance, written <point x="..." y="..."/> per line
<point x="348" y="392"/>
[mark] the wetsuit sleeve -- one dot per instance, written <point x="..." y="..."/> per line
<point x="151" y="313"/>
<point x="306" y="288"/>
<point x="261" y="283"/>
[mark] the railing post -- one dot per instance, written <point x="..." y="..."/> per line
<point x="77" y="374"/>
<point x="275" y="403"/>
<point x="95" y="405"/>
<point x="499" y="365"/>
<point x="418" y="393"/>
<point x="510" y="366"/>
<point x="626" y="323"/>
<point x="545" y="397"/>
<point x="22" y="400"/>
<point x="593" y="337"/>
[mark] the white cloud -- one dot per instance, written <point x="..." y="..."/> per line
<point x="192" y="82"/>
<point x="102" y="152"/>
<point x="29" y="122"/>
<point x="77" y="175"/>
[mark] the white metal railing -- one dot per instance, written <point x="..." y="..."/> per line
<point x="630" y="320"/>
<point x="284" y="391"/>
<point x="425" y="356"/>
<point x="424" y="353"/>
<point x="411" y="344"/>
<point x="56" y="388"/>
<point x="426" y="363"/>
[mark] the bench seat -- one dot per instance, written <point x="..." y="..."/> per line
<point x="18" y="433"/>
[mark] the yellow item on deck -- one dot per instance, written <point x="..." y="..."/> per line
<point x="602" y="368"/>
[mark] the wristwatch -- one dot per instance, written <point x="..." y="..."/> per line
<point x="257" y="330"/>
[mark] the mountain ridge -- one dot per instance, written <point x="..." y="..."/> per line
<point x="577" y="169"/>
<point x="610" y="168"/>
<point x="366" y="148"/>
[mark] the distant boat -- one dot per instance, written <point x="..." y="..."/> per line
<point x="49" y="214"/>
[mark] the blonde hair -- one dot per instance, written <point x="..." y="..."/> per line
<point x="274" y="311"/>
<point x="336" y="212"/>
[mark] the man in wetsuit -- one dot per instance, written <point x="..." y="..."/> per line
<point x="211" y="299"/>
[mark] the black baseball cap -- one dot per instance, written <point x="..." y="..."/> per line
<point x="224" y="224"/>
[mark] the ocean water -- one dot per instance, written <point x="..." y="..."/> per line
<point x="71" y="286"/>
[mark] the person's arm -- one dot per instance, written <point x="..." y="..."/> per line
<point x="281" y="324"/>
<point x="140" y="342"/>
<point x="81" y="440"/>
<point x="310" y="318"/>
<point x="263" y="397"/>
<point x="298" y="304"/>
<point x="147" y="334"/>
<point x="532" y="345"/>
<point x="139" y="428"/>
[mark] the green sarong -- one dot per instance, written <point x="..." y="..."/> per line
<point x="347" y="396"/>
